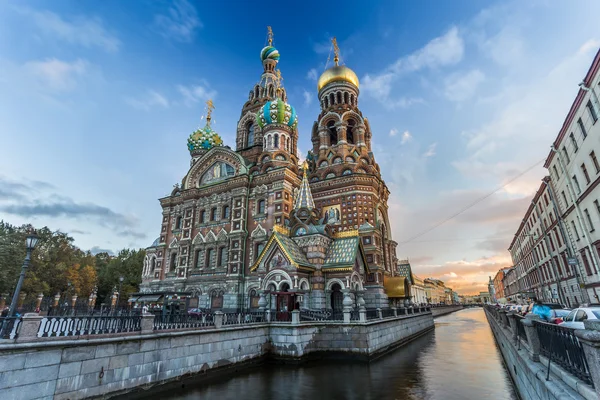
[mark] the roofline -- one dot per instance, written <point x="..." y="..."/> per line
<point x="535" y="199"/>
<point x="592" y="71"/>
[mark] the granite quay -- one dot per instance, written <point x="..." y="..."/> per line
<point x="79" y="359"/>
<point x="547" y="361"/>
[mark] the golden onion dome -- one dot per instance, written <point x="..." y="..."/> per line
<point x="335" y="74"/>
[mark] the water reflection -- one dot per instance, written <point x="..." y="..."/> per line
<point x="457" y="361"/>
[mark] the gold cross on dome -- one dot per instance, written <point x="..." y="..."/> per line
<point x="270" y="35"/>
<point x="336" y="51"/>
<point x="209" y="107"/>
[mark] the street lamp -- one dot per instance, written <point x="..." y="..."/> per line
<point x="30" y="243"/>
<point x="119" y="294"/>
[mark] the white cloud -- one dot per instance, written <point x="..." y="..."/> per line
<point x="393" y="132"/>
<point x="55" y="74"/>
<point x="461" y="87"/>
<point x="180" y="22"/>
<point x="590" y="45"/>
<point x="430" y="150"/>
<point x="150" y="100"/>
<point x="308" y="97"/>
<point x="312" y="74"/>
<point x="406" y="137"/>
<point x="444" y="50"/>
<point x="88" y="32"/>
<point x="195" y="93"/>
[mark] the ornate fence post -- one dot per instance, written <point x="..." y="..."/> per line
<point x="296" y="317"/>
<point x="512" y="324"/>
<point x="30" y="326"/>
<point x="379" y="314"/>
<point x="268" y="315"/>
<point x="38" y="302"/>
<point x="218" y="319"/>
<point x="590" y="341"/>
<point x="147" y="323"/>
<point x="362" y="314"/>
<point x="395" y="311"/>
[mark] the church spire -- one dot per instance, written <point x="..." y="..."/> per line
<point x="304" y="197"/>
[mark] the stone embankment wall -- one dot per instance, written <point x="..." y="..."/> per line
<point x="529" y="376"/>
<point x="89" y="367"/>
<point x="437" y="311"/>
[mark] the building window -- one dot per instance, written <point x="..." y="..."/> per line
<point x="556" y="172"/>
<point x="588" y="270"/>
<point x="595" y="161"/>
<point x="597" y="207"/>
<point x="367" y="240"/>
<point x="564" y="198"/>
<point x="225" y="212"/>
<point x="173" y="260"/>
<point x="259" y="248"/>
<point x="178" y="223"/>
<point x="582" y="128"/>
<point x="202" y="216"/>
<point x="250" y="134"/>
<point x="585" y="173"/>
<point x="589" y="219"/>
<point x="198" y="258"/>
<point x="223" y="256"/>
<point x="574" y="142"/>
<point x="575" y="230"/>
<point x="592" y="111"/>
<point x="564" y="149"/>
<point x="576" y="184"/>
<point x="209" y="254"/>
<point x="261" y="207"/>
<point x="213" y="214"/>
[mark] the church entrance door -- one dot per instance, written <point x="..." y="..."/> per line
<point x="337" y="298"/>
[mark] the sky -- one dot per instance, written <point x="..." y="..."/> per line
<point x="464" y="98"/>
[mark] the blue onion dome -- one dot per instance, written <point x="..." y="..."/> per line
<point x="204" y="139"/>
<point x="277" y="112"/>
<point x="269" y="53"/>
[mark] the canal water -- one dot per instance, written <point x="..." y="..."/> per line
<point x="458" y="361"/>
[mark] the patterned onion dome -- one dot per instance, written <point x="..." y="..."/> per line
<point x="277" y="112"/>
<point x="269" y="52"/>
<point x="204" y="139"/>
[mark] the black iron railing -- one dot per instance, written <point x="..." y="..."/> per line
<point x="372" y="313"/>
<point x="9" y="327"/>
<point x="562" y="347"/>
<point x="315" y="315"/>
<point x="91" y="325"/>
<point x="239" y="318"/>
<point x="520" y="328"/>
<point x="355" y="315"/>
<point x="183" y="321"/>
<point x="387" y="312"/>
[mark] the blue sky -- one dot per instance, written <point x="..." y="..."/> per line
<point x="97" y="101"/>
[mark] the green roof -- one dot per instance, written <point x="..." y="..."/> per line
<point x="342" y="252"/>
<point x="292" y="250"/>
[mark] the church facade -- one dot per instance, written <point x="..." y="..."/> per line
<point x="247" y="226"/>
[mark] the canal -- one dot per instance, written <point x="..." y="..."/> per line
<point x="459" y="360"/>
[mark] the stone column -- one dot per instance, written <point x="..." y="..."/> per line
<point x="341" y="132"/>
<point x="379" y="313"/>
<point x="513" y="324"/>
<point x="503" y="317"/>
<point x="38" y="302"/>
<point x="147" y="323"/>
<point x="360" y="136"/>
<point x="395" y="311"/>
<point x="29" y="327"/>
<point x="295" y="317"/>
<point x="73" y="301"/>
<point x="323" y="138"/>
<point x="262" y="301"/>
<point x="218" y="319"/>
<point x="590" y="340"/>
<point x="56" y="300"/>
<point x="361" y="299"/>
<point x="532" y="335"/>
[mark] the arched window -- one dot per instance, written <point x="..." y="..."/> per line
<point x="213" y="214"/>
<point x="271" y="92"/>
<point x="352" y="99"/>
<point x="350" y="131"/>
<point x="256" y="91"/>
<point x="333" y="139"/>
<point x="223" y="257"/>
<point x="347" y="172"/>
<point x="173" y="260"/>
<point x="254" y="297"/>
<point x="261" y="207"/>
<point x="346" y="100"/>
<point x="199" y="255"/>
<point x="250" y="128"/>
<point x="218" y="171"/>
<point x="339" y="97"/>
<point x="323" y="164"/>
<point x="152" y="264"/>
<point x="269" y="142"/>
<point x="337" y="160"/>
<point x="276" y="141"/>
<point x="331" y="99"/>
<point x="178" y="223"/>
<point x="349" y="159"/>
<point x="225" y="214"/>
<point x="330" y="175"/>
<point x="202" y="217"/>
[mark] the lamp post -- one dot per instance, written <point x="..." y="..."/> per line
<point x="119" y="294"/>
<point x="30" y="242"/>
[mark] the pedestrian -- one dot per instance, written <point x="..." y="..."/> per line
<point x="145" y="309"/>
<point x="5" y="312"/>
<point x="542" y="310"/>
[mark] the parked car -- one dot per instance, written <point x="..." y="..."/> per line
<point x="557" y="315"/>
<point x="576" y="317"/>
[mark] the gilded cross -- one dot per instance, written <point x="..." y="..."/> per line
<point x="270" y="35"/>
<point x="209" y="107"/>
<point x="336" y="51"/>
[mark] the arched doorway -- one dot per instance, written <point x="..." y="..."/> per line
<point x="337" y="298"/>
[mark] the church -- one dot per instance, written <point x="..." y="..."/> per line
<point x="252" y="227"/>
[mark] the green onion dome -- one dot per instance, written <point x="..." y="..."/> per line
<point x="277" y="112"/>
<point x="269" y="52"/>
<point x="204" y="139"/>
